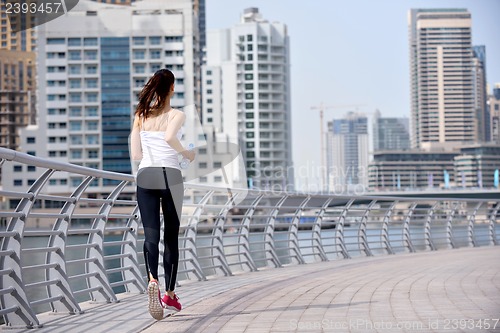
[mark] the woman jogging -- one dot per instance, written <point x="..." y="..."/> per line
<point x="155" y="142"/>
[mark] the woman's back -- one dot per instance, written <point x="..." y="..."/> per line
<point x="156" y="152"/>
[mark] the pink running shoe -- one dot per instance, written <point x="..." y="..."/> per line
<point x="154" y="305"/>
<point x="171" y="303"/>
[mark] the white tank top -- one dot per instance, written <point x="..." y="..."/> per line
<point x="156" y="152"/>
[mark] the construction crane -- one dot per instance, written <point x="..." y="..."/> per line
<point x="322" y="109"/>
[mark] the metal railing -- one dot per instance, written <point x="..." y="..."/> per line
<point x="59" y="250"/>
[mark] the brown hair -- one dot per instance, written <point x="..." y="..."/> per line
<point x="155" y="93"/>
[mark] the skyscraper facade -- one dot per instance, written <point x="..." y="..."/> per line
<point x="92" y="64"/>
<point x="494" y="111"/>
<point x="347" y="152"/>
<point x="443" y="109"/>
<point x="390" y="133"/>
<point x="248" y="65"/>
<point x="480" y="94"/>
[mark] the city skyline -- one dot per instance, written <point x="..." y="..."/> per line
<point x="345" y="70"/>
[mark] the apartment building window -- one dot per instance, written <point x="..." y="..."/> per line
<point x="91" y="69"/>
<point x="250" y="135"/>
<point x="75" y="112"/>
<point x="74" y="41"/>
<point x="139" y="54"/>
<point x="92" y="139"/>
<point x="90" y="55"/>
<point x="52" y="139"/>
<point x="30" y="139"/>
<point x="154" y="40"/>
<point x="62" y="153"/>
<point x="18" y="182"/>
<point x="139" y="83"/>
<point x="31" y="168"/>
<point x="139" y="69"/>
<point x="210" y="110"/>
<point x="76" y="139"/>
<point x="75" y="125"/>
<point x="52" y="153"/>
<point x="92" y="125"/>
<point x="139" y="40"/>
<point x="93" y="154"/>
<point x="209" y="100"/>
<point x="155" y="54"/>
<point x="74" y="84"/>
<point x="249" y="47"/>
<point x="248" y="67"/>
<point x="18" y="168"/>
<point x="209" y="91"/>
<point x="91" y="97"/>
<point x="248" y="86"/>
<point x="75" y="55"/>
<point x="155" y="67"/>
<point x="209" y="82"/>
<point x="249" y="125"/>
<point x="209" y="119"/>
<point x="53" y="41"/>
<point x="249" y="106"/>
<point x="91" y="83"/>
<point x="90" y="41"/>
<point x="209" y="72"/>
<point x="75" y="97"/>
<point x="91" y="111"/>
<point x="249" y="38"/>
<point x="76" y="154"/>
<point x="75" y="69"/>
<point x="202" y="165"/>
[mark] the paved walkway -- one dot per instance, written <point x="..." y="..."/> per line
<point x="443" y="291"/>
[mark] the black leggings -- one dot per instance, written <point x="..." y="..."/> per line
<point x="149" y="199"/>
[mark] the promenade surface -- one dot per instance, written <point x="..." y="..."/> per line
<point x="442" y="291"/>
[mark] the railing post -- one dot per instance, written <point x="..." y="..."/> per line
<point x="339" y="230"/>
<point x="385" y="228"/>
<point x="406" y="228"/>
<point x="134" y="274"/>
<point x="218" y="233"/>
<point x="243" y="239"/>
<point x="492" y="231"/>
<point x="293" y="239"/>
<point x="190" y="233"/>
<point x="427" y="228"/>
<point x="269" y="248"/>
<point x="60" y="240"/>
<point x="449" y="227"/>
<point x="24" y="315"/>
<point x="470" y="229"/>
<point x="317" y="244"/>
<point x="100" y="279"/>
<point x="362" y="238"/>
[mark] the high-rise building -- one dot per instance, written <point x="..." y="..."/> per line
<point x="17" y="76"/>
<point x="246" y="95"/>
<point x="92" y="64"/>
<point x="347" y="152"/>
<point x="443" y="109"/>
<point x="494" y="111"/>
<point x="22" y="40"/>
<point x="390" y="133"/>
<point x="480" y="94"/>
<point x="17" y="95"/>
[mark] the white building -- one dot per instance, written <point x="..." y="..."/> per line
<point x="92" y="63"/>
<point x="246" y="95"/>
<point x="443" y="110"/>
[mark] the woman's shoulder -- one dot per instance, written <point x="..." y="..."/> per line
<point x="177" y="112"/>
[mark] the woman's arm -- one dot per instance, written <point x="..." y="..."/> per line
<point x="135" y="141"/>
<point x="173" y="127"/>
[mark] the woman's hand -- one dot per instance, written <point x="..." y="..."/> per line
<point x="189" y="154"/>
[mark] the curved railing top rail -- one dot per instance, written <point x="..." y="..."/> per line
<point x="15" y="156"/>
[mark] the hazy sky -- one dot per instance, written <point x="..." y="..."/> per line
<point x="352" y="52"/>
